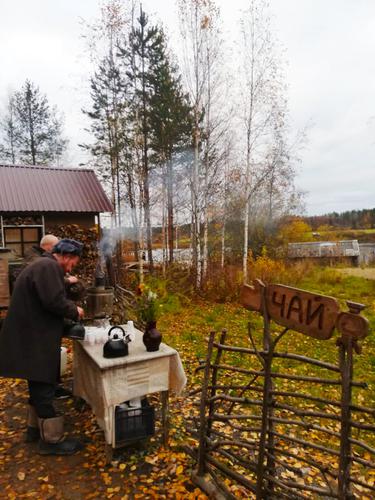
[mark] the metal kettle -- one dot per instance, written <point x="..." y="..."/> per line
<point x="73" y="330"/>
<point x="116" y="346"/>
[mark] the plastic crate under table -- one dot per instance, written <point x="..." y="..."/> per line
<point x="134" y="423"/>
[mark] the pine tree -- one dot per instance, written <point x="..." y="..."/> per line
<point x="137" y="56"/>
<point x="139" y="117"/>
<point x="32" y="130"/>
<point x="108" y="96"/>
<point x="8" y="126"/>
<point x="170" y="121"/>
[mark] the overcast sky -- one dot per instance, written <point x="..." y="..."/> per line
<point x="330" y="49"/>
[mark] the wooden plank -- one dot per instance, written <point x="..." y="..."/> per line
<point x="4" y="283"/>
<point x="305" y="312"/>
<point x="251" y="296"/>
<point x="165" y="416"/>
<point x="352" y="325"/>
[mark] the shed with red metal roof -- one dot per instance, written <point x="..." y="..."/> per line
<point x="34" y="199"/>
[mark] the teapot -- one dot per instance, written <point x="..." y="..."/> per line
<point x="73" y="330"/>
<point x="116" y="346"/>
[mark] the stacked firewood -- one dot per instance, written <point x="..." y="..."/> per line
<point x="89" y="237"/>
<point x="23" y="221"/>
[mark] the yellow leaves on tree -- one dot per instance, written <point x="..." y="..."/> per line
<point x="294" y="231"/>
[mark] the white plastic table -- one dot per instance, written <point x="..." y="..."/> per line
<point x="105" y="383"/>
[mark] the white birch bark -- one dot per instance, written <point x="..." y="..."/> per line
<point x="164" y="222"/>
<point x="259" y="83"/>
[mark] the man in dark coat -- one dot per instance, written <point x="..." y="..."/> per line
<point x="71" y="283"/>
<point x="30" y="339"/>
<point x="46" y="244"/>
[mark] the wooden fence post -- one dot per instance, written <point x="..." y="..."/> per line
<point x="214" y="381"/>
<point x="346" y="368"/>
<point x="267" y="398"/>
<point x="352" y="327"/>
<point x="202" y="416"/>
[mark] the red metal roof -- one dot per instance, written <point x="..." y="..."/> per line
<point x="48" y="189"/>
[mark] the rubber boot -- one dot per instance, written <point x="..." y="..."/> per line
<point x="32" y="431"/>
<point x="52" y="440"/>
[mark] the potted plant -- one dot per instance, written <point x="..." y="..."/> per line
<point x="148" y="308"/>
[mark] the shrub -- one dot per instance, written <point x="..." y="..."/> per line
<point x="223" y="284"/>
<point x="265" y="268"/>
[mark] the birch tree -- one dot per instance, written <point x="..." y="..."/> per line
<point x="192" y="17"/>
<point x="260" y="88"/>
<point x="214" y="131"/>
<point x="279" y="192"/>
<point x="108" y="92"/>
<point x="204" y="75"/>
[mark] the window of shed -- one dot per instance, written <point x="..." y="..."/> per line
<point x="21" y="239"/>
<point x="12" y="235"/>
<point x="31" y="235"/>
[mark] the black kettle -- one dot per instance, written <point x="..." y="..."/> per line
<point x="116" y="346"/>
<point x="73" y="330"/>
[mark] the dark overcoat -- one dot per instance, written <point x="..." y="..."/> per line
<point x="30" y="338"/>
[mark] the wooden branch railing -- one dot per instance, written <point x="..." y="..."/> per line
<point x="248" y="421"/>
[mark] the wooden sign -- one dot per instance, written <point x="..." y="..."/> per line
<point x="352" y="325"/>
<point x="309" y="313"/>
<point x="251" y="296"/>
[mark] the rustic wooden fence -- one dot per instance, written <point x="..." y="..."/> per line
<point x="276" y="424"/>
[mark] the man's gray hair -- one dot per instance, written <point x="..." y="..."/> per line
<point x="48" y="242"/>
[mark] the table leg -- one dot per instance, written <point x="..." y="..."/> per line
<point x="79" y="404"/>
<point x="165" y="416"/>
<point x="108" y="453"/>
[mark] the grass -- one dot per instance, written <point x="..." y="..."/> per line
<point x="366" y="272"/>
<point x="188" y="328"/>
<point x="362" y="235"/>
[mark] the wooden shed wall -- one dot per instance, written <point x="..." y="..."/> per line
<point x="4" y="283"/>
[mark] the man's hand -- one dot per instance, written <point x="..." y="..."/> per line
<point x="71" y="279"/>
<point x="81" y="312"/>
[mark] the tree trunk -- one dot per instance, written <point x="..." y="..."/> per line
<point x="207" y="169"/>
<point x="245" y="241"/>
<point x="205" y="248"/>
<point x="146" y="185"/>
<point x="196" y="243"/>
<point x="163" y="229"/>
<point x="223" y="244"/>
<point x="141" y="251"/>
<point x="147" y="216"/>
<point x="113" y="190"/>
<point x="170" y="209"/>
<point x="32" y="138"/>
<point x="247" y="208"/>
